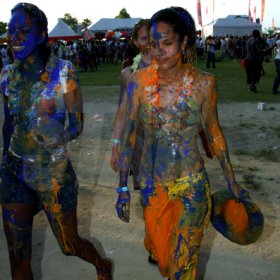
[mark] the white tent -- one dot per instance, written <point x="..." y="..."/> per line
<point x="113" y="24"/>
<point x="234" y="25"/>
<point x="63" y="32"/>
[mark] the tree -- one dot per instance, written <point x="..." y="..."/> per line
<point x="85" y="23"/>
<point x="70" y="21"/>
<point x="3" y="27"/>
<point x="123" y="14"/>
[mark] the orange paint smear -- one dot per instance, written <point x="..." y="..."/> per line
<point x="236" y="216"/>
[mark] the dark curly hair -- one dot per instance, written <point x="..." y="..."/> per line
<point x="137" y="27"/>
<point x="183" y="24"/>
<point x="42" y="22"/>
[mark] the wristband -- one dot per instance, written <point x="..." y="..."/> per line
<point x="122" y="189"/>
<point x="115" y="141"/>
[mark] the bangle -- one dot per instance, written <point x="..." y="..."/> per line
<point x="115" y="141"/>
<point x="122" y="189"/>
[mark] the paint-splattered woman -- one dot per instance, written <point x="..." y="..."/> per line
<point x="139" y="40"/>
<point x="175" y="102"/>
<point x="39" y="92"/>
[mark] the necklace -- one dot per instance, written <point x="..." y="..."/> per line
<point x="152" y="90"/>
<point x="168" y="114"/>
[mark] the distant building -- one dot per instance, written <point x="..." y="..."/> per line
<point x="234" y="25"/>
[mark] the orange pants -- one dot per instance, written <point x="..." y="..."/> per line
<point x="174" y="220"/>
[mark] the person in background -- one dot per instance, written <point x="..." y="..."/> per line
<point x="210" y="46"/>
<point x="253" y="69"/>
<point x="139" y="40"/>
<point x="276" y="81"/>
<point x="40" y="92"/>
<point x="174" y="102"/>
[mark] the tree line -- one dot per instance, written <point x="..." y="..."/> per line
<point x="71" y="21"/>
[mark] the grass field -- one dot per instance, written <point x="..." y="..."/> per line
<point x="231" y="79"/>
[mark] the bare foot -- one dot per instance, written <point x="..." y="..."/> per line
<point x="105" y="272"/>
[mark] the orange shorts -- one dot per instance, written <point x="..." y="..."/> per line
<point x="174" y="220"/>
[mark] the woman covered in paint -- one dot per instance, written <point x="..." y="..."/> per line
<point x="40" y="91"/>
<point x="140" y="40"/>
<point x="175" y="102"/>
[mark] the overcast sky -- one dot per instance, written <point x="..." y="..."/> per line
<point x="96" y="9"/>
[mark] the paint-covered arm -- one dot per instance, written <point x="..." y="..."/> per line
<point x="120" y="120"/>
<point x="8" y="126"/>
<point x="73" y="103"/>
<point x="127" y="146"/>
<point x="216" y="136"/>
<point x="8" y="123"/>
<point x="131" y="121"/>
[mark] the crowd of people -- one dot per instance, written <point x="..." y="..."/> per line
<point x="165" y="105"/>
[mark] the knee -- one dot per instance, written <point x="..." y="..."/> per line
<point x="70" y="247"/>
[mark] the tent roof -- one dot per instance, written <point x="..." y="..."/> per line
<point x="235" y="21"/>
<point x="63" y="31"/>
<point x="106" y="24"/>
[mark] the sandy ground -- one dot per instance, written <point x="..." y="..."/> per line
<point x="250" y="134"/>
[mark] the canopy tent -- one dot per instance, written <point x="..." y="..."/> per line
<point x="63" y="32"/>
<point x="113" y="24"/>
<point x="234" y="25"/>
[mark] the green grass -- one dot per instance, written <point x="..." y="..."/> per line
<point x="106" y="75"/>
<point x="231" y="80"/>
<point x="232" y="87"/>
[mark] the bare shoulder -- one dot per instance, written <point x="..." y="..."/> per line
<point x="126" y="71"/>
<point x="139" y="76"/>
<point x="204" y="78"/>
<point x="204" y="85"/>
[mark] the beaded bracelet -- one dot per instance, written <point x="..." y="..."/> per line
<point x="115" y="141"/>
<point x="122" y="189"/>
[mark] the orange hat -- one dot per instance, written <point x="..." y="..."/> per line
<point x="240" y="222"/>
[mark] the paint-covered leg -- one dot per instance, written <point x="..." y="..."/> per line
<point x="17" y="221"/>
<point x="64" y="226"/>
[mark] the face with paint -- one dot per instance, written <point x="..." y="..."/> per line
<point x="24" y="34"/>
<point x="142" y="40"/>
<point x="166" y="45"/>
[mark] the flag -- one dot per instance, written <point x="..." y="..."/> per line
<point x="199" y="16"/>
<point x="249" y="11"/>
<point x="273" y="24"/>
<point x="213" y="10"/>
<point x="255" y="14"/>
<point x="263" y="8"/>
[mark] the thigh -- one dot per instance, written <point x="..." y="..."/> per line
<point x="64" y="194"/>
<point x="13" y="190"/>
<point x="60" y="206"/>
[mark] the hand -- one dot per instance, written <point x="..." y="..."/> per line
<point x="52" y="142"/>
<point x="123" y="206"/>
<point x="238" y="192"/>
<point x="115" y="157"/>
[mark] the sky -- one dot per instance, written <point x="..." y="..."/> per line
<point x="97" y="9"/>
